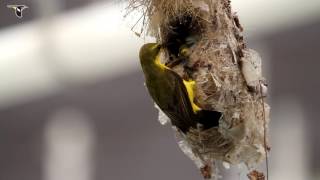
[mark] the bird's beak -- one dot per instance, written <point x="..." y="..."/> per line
<point x="157" y="46"/>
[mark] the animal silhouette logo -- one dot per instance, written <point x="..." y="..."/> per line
<point x="18" y="9"/>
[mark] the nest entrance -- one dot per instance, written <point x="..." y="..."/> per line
<point x="181" y="31"/>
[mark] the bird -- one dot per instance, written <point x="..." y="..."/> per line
<point x="174" y="95"/>
<point x="18" y="9"/>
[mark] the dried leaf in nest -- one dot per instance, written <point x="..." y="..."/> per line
<point x="256" y="175"/>
<point x="206" y="171"/>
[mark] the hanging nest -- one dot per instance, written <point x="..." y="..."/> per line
<point x="227" y="74"/>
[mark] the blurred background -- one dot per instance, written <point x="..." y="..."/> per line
<point x="73" y="105"/>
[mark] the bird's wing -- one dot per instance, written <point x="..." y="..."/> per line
<point x="182" y="114"/>
<point x="180" y="110"/>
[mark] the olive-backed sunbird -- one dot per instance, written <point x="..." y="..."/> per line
<point x="173" y="95"/>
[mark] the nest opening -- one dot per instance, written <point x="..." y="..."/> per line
<point x="182" y="30"/>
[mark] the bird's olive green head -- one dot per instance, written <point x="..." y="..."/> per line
<point x="149" y="52"/>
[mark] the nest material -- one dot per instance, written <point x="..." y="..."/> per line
<point x="157" y="15"/>
<point x="227" y="75"/>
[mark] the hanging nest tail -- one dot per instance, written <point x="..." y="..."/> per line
<point x="203" y="42"/>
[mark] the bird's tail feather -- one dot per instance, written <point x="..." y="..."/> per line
<point x="209" y="119"/>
